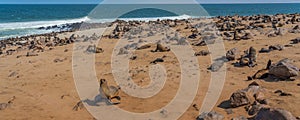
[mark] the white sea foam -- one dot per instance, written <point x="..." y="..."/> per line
<point x="15" y="29"/>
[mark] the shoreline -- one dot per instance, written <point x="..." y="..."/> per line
<point x="38" y="68"/>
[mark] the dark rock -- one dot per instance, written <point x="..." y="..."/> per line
<point x="210" y="116"/>
<point x="216" y="65"/>
<point x="273" y="114"/>
<point x="284" y="69"/>
<point x="239" y="118"/>
<point x="239" y="98"/>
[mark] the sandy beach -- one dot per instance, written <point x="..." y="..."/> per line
<point x="38" y="70"/>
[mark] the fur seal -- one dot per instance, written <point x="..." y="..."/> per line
<point x="110" y="92"/>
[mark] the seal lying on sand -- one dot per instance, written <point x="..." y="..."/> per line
<point x="110" y="92"/>
<point x="261" y="74"/>
<point x="161" y="48"/>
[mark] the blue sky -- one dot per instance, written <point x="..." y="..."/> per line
<point x="126" y="1"/>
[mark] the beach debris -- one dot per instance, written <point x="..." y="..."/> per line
<point x="212" y="115"/>
<point x="284" y="69"/>
<point x="273" y="114"/>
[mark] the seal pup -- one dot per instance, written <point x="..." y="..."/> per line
<point x="161" y="48"/>
<point x="110" y="92"/>
<point x="252" y="57"/>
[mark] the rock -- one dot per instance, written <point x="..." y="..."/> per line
<point x="284" y="69"/>
<point x="239" y="98"/>
<point x="273" y="114"/>
<point x="216" y="65"/>
<point x="210" y="116"/>
<point x="231" y="54"/>
<point x="239" y="118"/>
<point x="202" y="53"/>
<point x="157" y="60"/>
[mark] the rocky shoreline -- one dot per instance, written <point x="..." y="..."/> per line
<point x="247" y="32"/>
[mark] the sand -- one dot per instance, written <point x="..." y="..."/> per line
<point x="45" y="89"/>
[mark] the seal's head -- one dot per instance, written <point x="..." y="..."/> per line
<point x="102" y="81"/>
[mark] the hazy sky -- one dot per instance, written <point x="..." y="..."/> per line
<point x="126" y="1"/>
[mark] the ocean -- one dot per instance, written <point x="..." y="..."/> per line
<point x="21" y="20"/>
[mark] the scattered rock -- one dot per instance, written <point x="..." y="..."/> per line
<point x="239" y="98"/>
<point x="210" y="116"/>
<point x="216" y="65"/>
<point x="284" y="69"/>
<point x="239" y="118"/>
<point x="273" y="114"/>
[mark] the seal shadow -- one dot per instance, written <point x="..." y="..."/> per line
<point x="225" y="104"/>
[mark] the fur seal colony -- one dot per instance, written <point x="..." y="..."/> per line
<point x="250" y="41"/>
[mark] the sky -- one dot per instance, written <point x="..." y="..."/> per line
<point x="138" y="1"/>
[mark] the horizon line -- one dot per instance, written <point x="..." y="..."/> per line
<point x="145" y="3"/>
